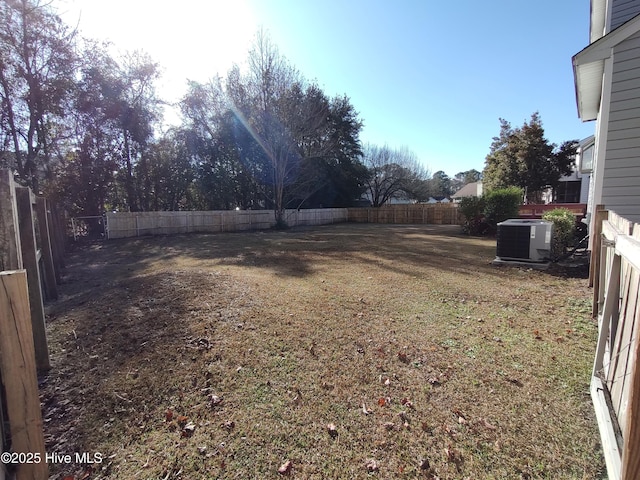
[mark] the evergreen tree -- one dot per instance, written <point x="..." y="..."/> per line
<point x="524" y="158"/>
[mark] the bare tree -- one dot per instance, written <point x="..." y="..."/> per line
<point x="394" y="174"/>
<point x="37" y="66"/>
<point x="288" y="118"/>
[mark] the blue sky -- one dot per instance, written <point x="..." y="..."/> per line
<point x="431" y="76"/>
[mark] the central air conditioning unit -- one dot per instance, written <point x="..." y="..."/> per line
<point x="524" y="240"/>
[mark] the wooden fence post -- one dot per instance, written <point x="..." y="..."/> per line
<point x="594" y="271"/>
<point x="30" y="262"/>
<point x="57" y="245"/>
<point x="10" y="251"/>
<point x="18" y="371"/>
<point x="50" y="282"/>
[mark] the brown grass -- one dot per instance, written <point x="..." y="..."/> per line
<point x="224" y="356"/>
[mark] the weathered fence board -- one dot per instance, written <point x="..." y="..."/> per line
<point x="135" y="224"/>
<point x="420" y="213"/>
<point x="57" y="224"/>
<point x="30" y="261"/>
<point x="18" y="373"/>
<point x="615" y="385"/>
<point x="50" y="281"/>
<point x="10" y="252"/>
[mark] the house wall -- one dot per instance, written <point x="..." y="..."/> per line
<point x="621" y="176"/>
<point x="623" y="10"/>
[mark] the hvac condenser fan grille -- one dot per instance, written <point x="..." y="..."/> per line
<point x="513" y="241"/>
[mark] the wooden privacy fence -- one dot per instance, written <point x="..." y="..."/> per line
<point x="615" y="382"/>
<point x="135" y="224"/>
<point x="423" y="213"/>
<point x="31" y="255"/>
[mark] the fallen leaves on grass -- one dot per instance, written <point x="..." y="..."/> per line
<point x="182" y="419"/>
<point x="486" y="424"/>
<point x="407" y="403"/>
<point x="365" y="410"/>
<point x="188" y="429"/>
<point x="332" y="430"/>
<point x="371" y="465"/>
<point x="285" y="468"/>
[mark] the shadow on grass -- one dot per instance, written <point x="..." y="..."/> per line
<point x="118" y="345"/>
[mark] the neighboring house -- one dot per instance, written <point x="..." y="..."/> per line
<point x="607" y="81"/>
<point x="438" y="199"/>
<point x="574" y="188"/>
<point x="473" y="189"/>
<point x="398" y="199"/>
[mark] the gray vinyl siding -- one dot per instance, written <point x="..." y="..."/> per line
<point x="622" y="11"/>
<point x="621" y="180"/>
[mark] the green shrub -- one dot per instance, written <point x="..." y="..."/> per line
<point x="474" y="219"/>
<point x="564" y="224"/>
<point x="502" y="204"/>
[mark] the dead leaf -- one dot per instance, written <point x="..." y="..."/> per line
<point x="229" y="424"/>
<point x="402" y="356"/>
<point x="487" y="424"/>
<point x="182" y="420"/>
<point x="389" y="426"/>
<point x="215" y="400"/>
<point x="168" y="415"/>
<point x="515" y="381"/>
<point x="332" y="429"/>
<point x="365" y="410"/>
<point x="188" y="429"/>
<point x="382" y="402"/>
<point x="407" y="403"/>
<point x="450" y="454"/>
<point x="424" y="464"/>
<point x="387" y="382"/>
<point x="285" y="468"/>
<point x="462" y="421"/>
<point x="372" y="465"/>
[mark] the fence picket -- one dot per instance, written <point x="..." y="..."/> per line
<point x="616" y="375"/>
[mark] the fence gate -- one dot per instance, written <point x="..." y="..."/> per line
<point x="615" y="382"/>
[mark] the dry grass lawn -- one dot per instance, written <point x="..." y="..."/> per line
<point x="344" y="351"/>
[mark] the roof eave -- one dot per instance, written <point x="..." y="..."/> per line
<point x="588" y="67"/>
<point x="588" y="86"/>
